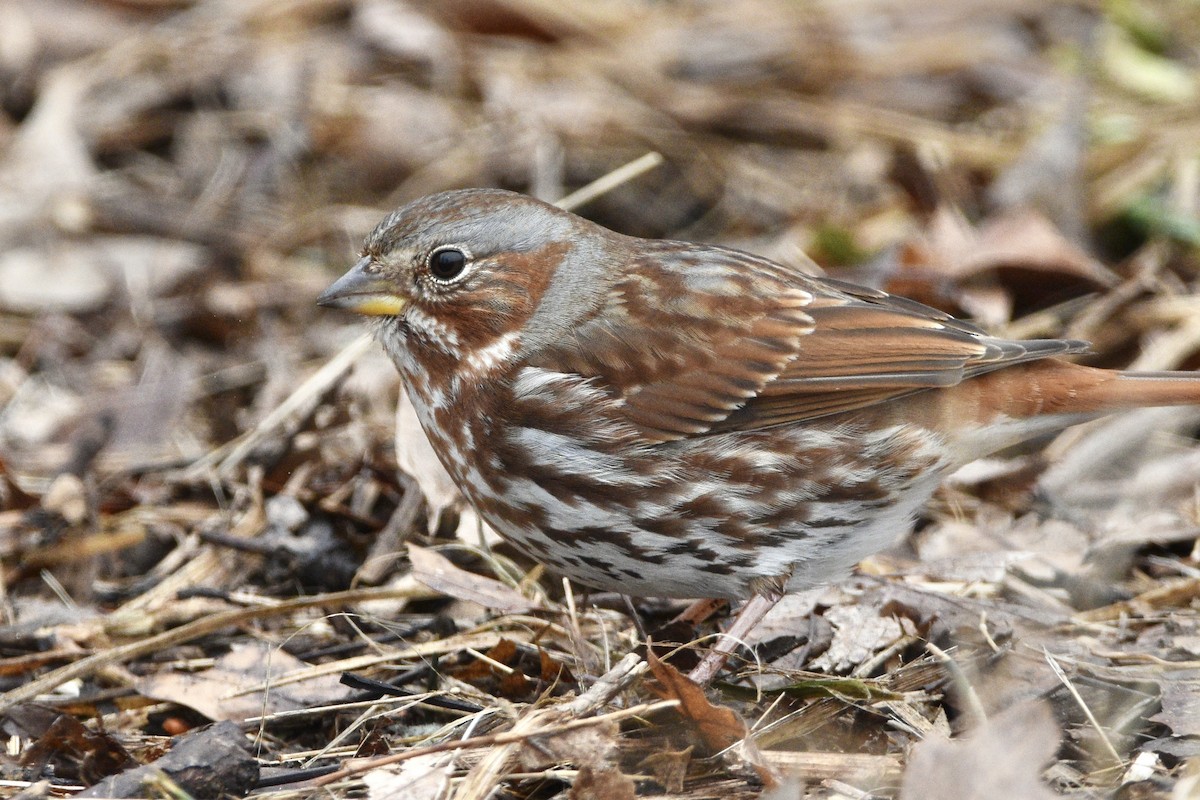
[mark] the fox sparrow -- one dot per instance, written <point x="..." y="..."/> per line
<point x="685" y="420"/>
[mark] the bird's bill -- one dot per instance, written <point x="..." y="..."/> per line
<point x="363" y="293"/>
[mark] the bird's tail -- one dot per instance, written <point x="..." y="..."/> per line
<point x="1118" y="391"/>
<point x="1008" y="406"/>
<point x="1053" y="387"/>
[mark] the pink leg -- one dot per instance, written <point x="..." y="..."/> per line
<point x="698" y="611"/>
<point x="749" y="616"/>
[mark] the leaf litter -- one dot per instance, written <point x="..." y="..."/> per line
<point x="215" y="506"/>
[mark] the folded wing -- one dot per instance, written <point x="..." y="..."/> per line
<point x="695" y="342"/>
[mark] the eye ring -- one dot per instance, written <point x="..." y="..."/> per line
<point x="448" y="264"/>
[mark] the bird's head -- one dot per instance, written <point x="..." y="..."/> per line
<point x="462" y="271"/>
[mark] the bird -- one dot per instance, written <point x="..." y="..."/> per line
<point x="678" y="419"/>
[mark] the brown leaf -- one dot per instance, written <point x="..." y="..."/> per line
<point x="669" y="768"/>
<point x="554" y="671"/>
<point x="594" y="750"/>
<point x="1026" y="239"/>
<point x="718" y="726"/>
<point x="504" y="652"/>
<point x="1018" y="258"/>
<point x="374" y="743"/>
<point x="76" y="752"/>
<point x="514" y="686"/>
<point x="607" y="783"/>
<point x="435" y="571"/>
<point x="527" y="679"/>
<point x="592" y="746"/>
<point x="231" y="689"/>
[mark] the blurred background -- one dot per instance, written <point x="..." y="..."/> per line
<point x="180" y="178"/>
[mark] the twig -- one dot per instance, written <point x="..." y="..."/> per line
<point x="491" y="740"/>
<point x="481" y="781"/>
<point x="230" y="455"/>
<point x="193" y="630"/>
<point x="606" y="183"/>
<point x="1062" y="676"/>
<point x="974" y="705"/>
<point x="608" y="685"/>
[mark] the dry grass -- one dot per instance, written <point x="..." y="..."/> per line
<point x="205" y="517"/>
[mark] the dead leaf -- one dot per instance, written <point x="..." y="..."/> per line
<point x="514" y="684"/>
<point x="602" y="784"/>
<point x="420" y="778"/>
<point x="552" y="670"/>
<point x="1026" y="239"/>
<point x="75" y="752"/>
<point x="1180" y="706"/>
<point x="526" y="677"/>
<point x="1018" y="258"/>
<point x="64" y="281"/>
<point x="594" y="750"/>
<point x="435" y="571"/>
<point x="1000" y="761"/>
<point x="415" y="456"/>
<point x="719" y="727"/>
<point x="593" y="745"/>
<point x="374" y="743"/>
<point x="504" y="652"/>
<point x="859" y="631"/>
<point x="220" y="693"/>
<point x="669" y="767"/>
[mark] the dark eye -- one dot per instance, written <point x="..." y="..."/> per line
<point x="447" y="264"/>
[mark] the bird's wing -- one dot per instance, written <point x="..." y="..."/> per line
<point x="868" y="347"/>
<point x="701" y="341"/>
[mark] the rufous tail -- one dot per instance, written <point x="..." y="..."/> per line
<point x="1053" y="387"/>
<point x="1008" y="406"/>
<point x="1146" y="389"/>
<point x="1103" y="391"/>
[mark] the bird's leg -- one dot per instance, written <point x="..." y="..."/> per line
<point x="749" y="616"/>
<point x="698" y="612"/>
<point x="635" y="616"/>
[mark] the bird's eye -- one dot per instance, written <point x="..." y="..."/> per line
<point x="447" y="264"/>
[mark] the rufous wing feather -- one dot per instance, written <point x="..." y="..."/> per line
<point x="739" y="343"/>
